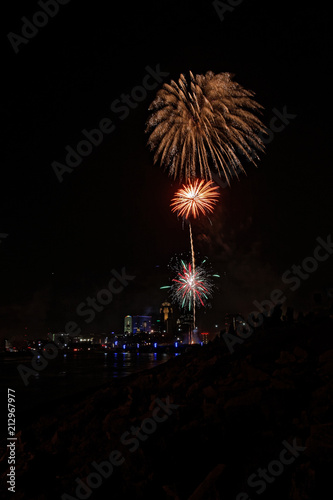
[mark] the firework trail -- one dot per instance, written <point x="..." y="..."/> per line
<point x="192" y="248"/>
<point x="204" y="125"/>
<point x="193" y="267"/>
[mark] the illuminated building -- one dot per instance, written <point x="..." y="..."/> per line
<point x="184" y="326"/>
<point x="166" y="309"/>
<point x="166" y="312"/>
<point x="128" y="325"/>
<point x="205" y="337"/>
<point x="141" y="324"/>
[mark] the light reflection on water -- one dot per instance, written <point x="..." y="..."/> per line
<point x="69" y="376"/>
<point x="72" y="373"/>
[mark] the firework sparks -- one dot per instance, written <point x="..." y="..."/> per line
<point x="196" y="198"/>
<point x="204" y="125"/>
<point x="191" y="287"/>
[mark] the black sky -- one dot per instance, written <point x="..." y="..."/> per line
<point x="112" y="210"/>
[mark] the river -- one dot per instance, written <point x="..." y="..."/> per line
<point x="68" y="377"/>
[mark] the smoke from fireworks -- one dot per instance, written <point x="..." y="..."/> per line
<point x="204" y="125"/>
<point x="196" y="198"/>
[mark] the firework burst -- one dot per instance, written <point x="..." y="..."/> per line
<point x="203" y="125"/>
<point x="196" y="198"/>
<point x="191" y="287"/>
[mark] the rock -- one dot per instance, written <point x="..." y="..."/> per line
<point x="208" y="486"/>
<point x="210" y="393"/>
<point x="285" y="358"/>
<point x="245" y="400"/>
<point x="320" y="443"/>
<point x="300" y="354"/>
<point x="326" y="357"/>
<point x="303" y="483"/>
<point x="282" y="379"/>
<point x="282" y="385"/>
<point x="326" y="364"/>
<point x="193" y="390"/>
<point x="170" y="492"/>
<point x="253" y="374"/>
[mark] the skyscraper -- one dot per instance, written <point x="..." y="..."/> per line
<point x="128" y="325"/>
<point x="167" y="312"/>
<point x="141" y="324"/>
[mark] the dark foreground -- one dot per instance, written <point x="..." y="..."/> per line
<point x="255" y="424"/>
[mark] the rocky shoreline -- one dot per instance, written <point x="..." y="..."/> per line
<point x="206" y="422"/>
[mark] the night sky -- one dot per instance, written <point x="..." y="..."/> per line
<point x="113" y="211"/>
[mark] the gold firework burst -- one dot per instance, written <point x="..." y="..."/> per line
<point x="203" y="125"/>
<point x="194" y="198"/>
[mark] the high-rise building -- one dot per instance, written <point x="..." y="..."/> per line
<point x="128" y="325"/>
<point x="184" y="326"/>
<point x="166" y="312"/>
<point x="141" y="324"/>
